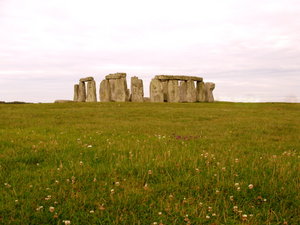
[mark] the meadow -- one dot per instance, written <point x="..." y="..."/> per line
<point x="150" y="163"/>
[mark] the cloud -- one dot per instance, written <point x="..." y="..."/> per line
<point x="249" y="48"/>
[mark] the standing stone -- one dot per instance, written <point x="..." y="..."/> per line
<point x="156" y="91"/>
<point x="137" y="92"/>
<point x="118" y="88"/>
<point x="209" y="87"/>
<point x="183" y="91"/>
<point x="104" y="93"/>
<point x="128" y="96"/>
<point x="81" y="92"/>
<point x="201" y="91"/>
<point x="91" y="91"/>
<point x="165" y="89"/>
<point x="173" y="91"/>
<point x="191" y="94"/>
<point x="76" y="87"/>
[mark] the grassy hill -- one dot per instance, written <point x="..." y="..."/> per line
<point x="150" y="163"/>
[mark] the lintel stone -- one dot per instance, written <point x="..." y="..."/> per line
<point x="177" y="77"/>
<point x="86" y="79"/>
<point x="115" y="76"/>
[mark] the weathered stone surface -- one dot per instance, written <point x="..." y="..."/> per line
<point x="91" y="91"/>
<point x="178" y="77"/>
<point x="63" y="101"/>
<point x="118" y="90"/>
<point x="183" y="91"/>
<point x="76" y="89"/>
<point x="81" y="92"/>
<point x="137" y="90"/>
<point x="173" y="91"/>
<point x="86" y="79"/>
<point x="104" y="92"/>
<point x="200" y="91"/>
<point x="115" y="76"/>
<point x="209" y="87"/>
<point x="165" y="89"/>
<point x="128" y="95"/>
<point x="156" y="91"/>
<point x="191" y="94"/>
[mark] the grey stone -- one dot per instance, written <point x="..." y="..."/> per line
<point x="81" y="92"/>
<point x="156" y="91"/>
<point x="165" y="89"/>
<point x="115" y="76"/>
<point x="146" y="99"/>
<point x="86" y="79"/>
<point x="91" y="91"/>
<point x="137" y="90"/>
<point x="178" y="77"/>
<point x="63" y="101"/>
<point x="173" y="91"/>
<point x="118" y="90"/>
<point x="183" y="91"/>
<point x="76" y="89"/>
<point x="128" y="95"/>
<point x="200" y="91"/>
<point x="191" y="94"/>
<point x="104" y="93"/>
<point x="209" y="87"/>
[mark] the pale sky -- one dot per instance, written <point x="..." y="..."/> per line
<point x="249" y="48"/>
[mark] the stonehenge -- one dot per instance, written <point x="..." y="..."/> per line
<point x="166" y="88"/>
<point x="201" y="91"/>
<point x="137" y="90"/>
<point x="173" y="91"/>
<point x="114" y="88"/>
<point x="209" y="87"/>
<point x="191" y="94"/>
<point x="183" y="91"/>
<point x="104" y="91"/>
<point x="83" y="94"/>
<point x="163" y="88"/>
<point x="156" y="91"/>
<point x="76" y="89"/>
<point x="91" y="91"/>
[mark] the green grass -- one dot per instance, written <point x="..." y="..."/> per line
<point x="130" y="163"/>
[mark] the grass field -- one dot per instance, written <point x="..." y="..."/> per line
<point x="148" y="163"/>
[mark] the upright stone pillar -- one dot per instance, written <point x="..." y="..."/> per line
<point x="191" y="91"/>
<point x="76" y="88"/>
<point x="81" y="92"/>
<point x="165" y="89"/>
<point x="200" y="91"/>
<point x="156" y="91"/>
<point x="137" y="92"/>
<point x="114" y="88"/>
<point x="118" y="88"/>
<point x="183" y="91"/>
<point x="209" y="87"/>
<point x="91" y="91"/>
<point x="104" y="93"/>
<point x="128" y="95"/>
<point x="173" y="91"/>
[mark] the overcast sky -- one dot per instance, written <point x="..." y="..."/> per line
<point x="249" y="48"/>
